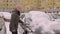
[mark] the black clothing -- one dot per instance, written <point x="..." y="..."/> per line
<point x="14" y="20"/>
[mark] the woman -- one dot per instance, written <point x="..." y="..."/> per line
<point x="15" y="19"/>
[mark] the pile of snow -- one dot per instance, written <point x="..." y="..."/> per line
<point x="37" y="19"/>
<point x="38" y="14"/>
<point x="6" y="15"/>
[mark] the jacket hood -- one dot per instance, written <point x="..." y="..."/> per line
<point x="16" y="11"/>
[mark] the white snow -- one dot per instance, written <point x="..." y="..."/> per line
<point x="39" y="19"/>
<point x="6" y="15"/>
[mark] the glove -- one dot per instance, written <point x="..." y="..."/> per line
<point x="14" y="30"/>
<point x="0" y="29"/>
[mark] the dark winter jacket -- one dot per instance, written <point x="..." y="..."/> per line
<point x="14" y="20"/>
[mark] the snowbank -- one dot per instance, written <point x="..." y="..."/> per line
<point x="6" y="15"/>
<point x="37" y="19"/>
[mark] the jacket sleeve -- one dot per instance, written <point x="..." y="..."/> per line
<point x="21" y="22"/>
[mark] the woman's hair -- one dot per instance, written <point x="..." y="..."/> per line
<point x="18" y="7"/>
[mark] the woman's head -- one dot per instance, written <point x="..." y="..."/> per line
<point x="18" y="7"/>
